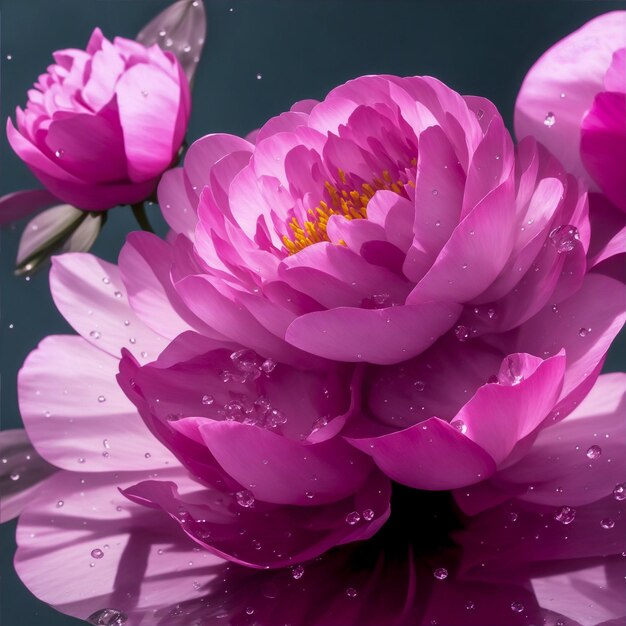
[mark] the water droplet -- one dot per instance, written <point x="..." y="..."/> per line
<point x="594" y="452"/>
<point x="619" y="493"/>
<point x="207" y="400"/>
<point x="437" y="223"/>
<point x="297" y="572"/>
<point x="96" y="553"/>
<point x="353" y="518"/>
<point x="147" y="455"/>
<point x="565" y="515"/>
<point x="59" y="153"/>
<point x="462" y="333"/>
<point x="95" y="334"/>
<point x="132" y="340"/>
<point x="268" y="366"/>
<point x="108" y="617"/>
<point x="368" y="515"/>
<point x="101" y="399"/>
<point x="564" y="238"/>
<point x="607" y="523"/>
<point x="106" y="444"/>
<point x="562" y="95"/>
<point x="144" y="355"/>
<point x="460" y="425"/>
<point x="419" y="385"/>
<point x="15" y="476"/>
<point x="441" y="573"/>
<point x="517" y="607"/>
<point x="351" y="592"/>
<point x="60" y="504"/>
<point x="9" y="57"/>
<point x="259" y="76"/>
<point x="583" y="332"/>
<point x="491" y="313"/>
<point x="549" y="120"/>
<point x="81" y="460"/>
<point x="435" y="192"/>
<point x="555" y="308"/>
<point x="469" y="605"/>
<point x="126" y="323"/>
<point x="244" y="498"/>
<point x="513" y="516"/>
<point x="249" y="611"/>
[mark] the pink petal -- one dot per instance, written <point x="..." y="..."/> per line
<point x="386" y="335"/>
<point x="91" y="296"/>
<point x="574" y="67"/>
<point x="430" y="455"/>
<point x="177" y="202"/>
<point x="148" y="121"/>
<point x="284" y="471"/>
<point x="278" y="535"/>
<point x="144" y="570"/>
<point x="76" y="415"/>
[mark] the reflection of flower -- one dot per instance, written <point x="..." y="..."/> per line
<point x="573" y="100"/>
<point x="103" y="124"/>
<point x="356" y="229"/>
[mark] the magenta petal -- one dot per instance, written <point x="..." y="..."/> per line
<point x="178" y="202"/>
<point x="283" y="471"/>
<point x="382" y="336"/>
<point x="603" y="145"/>
<point x="277" y="536"/>
<point x="17" y="205"/>
<point x="608" y="230"/>
<point x="500" y="415"/>
<point x="429" y="455"/>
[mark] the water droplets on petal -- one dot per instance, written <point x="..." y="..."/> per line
<point x="564" y="238"/>
<point x="297" y="572"/>
<point x="607" y="523"/>
<point x="244" y="498"/>
<point x="353" y="518"/>
<point x="108" y="617"/>
<point x="441" y="573"/>
<point x="549" y="120"/>
<point x="565" y="515"/>
<point x="96" y="553"/>
<point x="619" y="493"/>
<point x="517" y="607"/>
<point x="594" y="452"/>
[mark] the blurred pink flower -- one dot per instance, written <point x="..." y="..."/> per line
<point x="359" y="228"/>
<point x="102" y="125"/>
<point x="573" y="100"/>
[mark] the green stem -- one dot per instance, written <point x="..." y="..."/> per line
<point x="139" y="211"/>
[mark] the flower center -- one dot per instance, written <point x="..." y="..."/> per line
<point x="347" y="199"/>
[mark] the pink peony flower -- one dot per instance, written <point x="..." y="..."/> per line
<point x="573" y="100"/>
<point x="131" y="101"/>
<point x="364" y="227"/>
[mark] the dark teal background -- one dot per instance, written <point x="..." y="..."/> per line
<point x="302" y="48"/>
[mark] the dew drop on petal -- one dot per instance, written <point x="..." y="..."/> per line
<point x="469" y="605"/>
<point x="517" y="607"/>
<point x="583" y="332"/>
<point x="594" y="452"/>
<point x="297" y="572"/>
<point x="351" y="592"/>
<point x="607" y="523"/>
<point x="244" y="498"/>
<point x="441" y="573"/>
<point x="96" y="553"/>
<point x="460" y="425"/>
<point x="60" y="504"/>
<point x="565" y="515"/>
<point x="368" y="515"/>
<point x="259" y="76"/>
<point x="95" y="334"/>
<point x="549" y="120"/>
<point x="419" y="385"/>
<point x="207" y="400"/>
<point x="101" y="399"/>
<point x="353" y="518"/>
<point x="564" y="238"/>
<point x="462" y="333"/>
<point x="15" y="476"/>
<point x="619" y="493"/>
<point x="59" y="153"/>
<point x="108" y="617"/>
